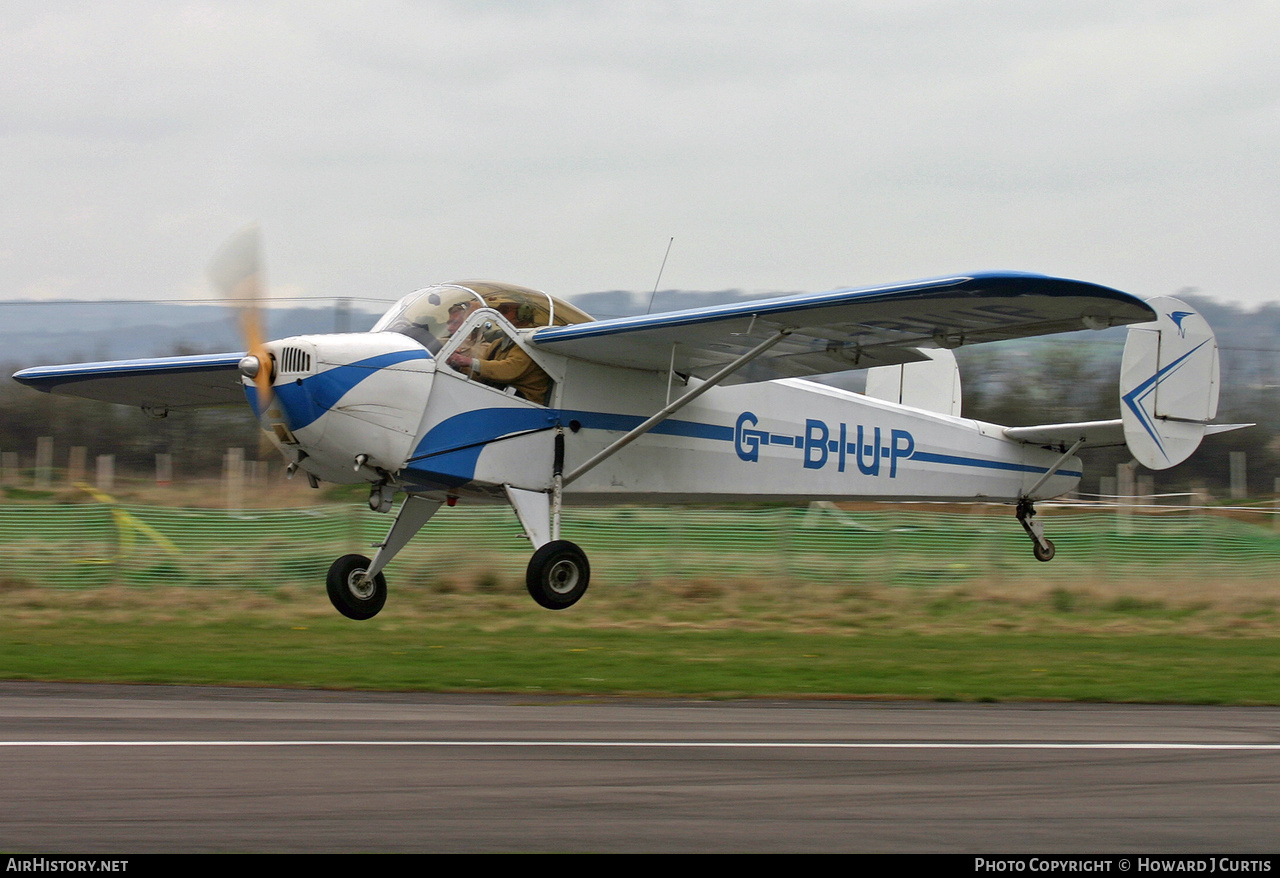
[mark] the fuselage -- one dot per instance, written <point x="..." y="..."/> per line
<point x="381" y="406"/>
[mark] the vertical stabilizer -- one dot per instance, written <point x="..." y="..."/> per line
<point x="1168" y="384"/>
<point x="932" y="384"/>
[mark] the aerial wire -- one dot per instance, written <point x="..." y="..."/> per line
<point x="654" y="294"/>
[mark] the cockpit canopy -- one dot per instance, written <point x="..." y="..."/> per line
<point x="431" y="315"/>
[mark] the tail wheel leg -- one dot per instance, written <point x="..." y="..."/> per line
<point x="1042" y="547"/>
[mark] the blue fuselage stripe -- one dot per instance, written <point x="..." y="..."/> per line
<point x="304" y="403"/>
<point x="472" y="431"/>
<point x="956" y="460"/>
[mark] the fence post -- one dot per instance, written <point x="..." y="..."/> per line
<point x="1146" y="489"/>
<point x="44" y="462"/>
<point x="106" y="473"/>
<point x="76" y="464"/>
<point x="1107" y="488"/>
<point x="233" y="473"/>
<point x="1239" y="482"/>
<point x="164" y="470"/>
<point x="1124" y="488"/>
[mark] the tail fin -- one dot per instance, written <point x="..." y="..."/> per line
<point x="1168" y="384"/>
<point x="932" y="384"/>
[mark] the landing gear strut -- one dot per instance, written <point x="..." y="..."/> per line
<point x="1042" y="547"/>
<point x="357" y="588"/>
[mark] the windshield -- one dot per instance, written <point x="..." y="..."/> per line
<point x="431" y="315"/>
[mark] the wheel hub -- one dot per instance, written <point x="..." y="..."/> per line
<point x="562" y="578"/>
<point x="360" y="585"/>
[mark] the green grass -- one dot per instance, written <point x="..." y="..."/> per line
<point x="705" y="639"/>
<point x="704" y="603"/>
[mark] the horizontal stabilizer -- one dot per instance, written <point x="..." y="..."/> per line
<point x="1211" y="429"/>
<point x="1096" y="434"/>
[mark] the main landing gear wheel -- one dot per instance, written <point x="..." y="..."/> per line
<point x="1044" y="553"/>
<point x="558" y="575"/>
<point x="350" y="593"/>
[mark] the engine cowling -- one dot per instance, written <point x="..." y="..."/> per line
<point x="336" y="398"/>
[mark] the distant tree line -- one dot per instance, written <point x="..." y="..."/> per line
<point x="1060" y="382"/>
<point x="197" y="440"/>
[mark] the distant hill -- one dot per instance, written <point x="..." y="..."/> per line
<point x="34" y="333"/>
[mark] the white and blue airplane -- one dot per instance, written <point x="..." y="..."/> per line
<point x="485" y="391"/>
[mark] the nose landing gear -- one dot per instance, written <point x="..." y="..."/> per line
<point x="352" y="591"/>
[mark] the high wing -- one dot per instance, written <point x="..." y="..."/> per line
<point x="851" y="328"/>
<point x="156" y="385"/>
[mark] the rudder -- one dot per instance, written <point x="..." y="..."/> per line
<point x="1169" y="381"/>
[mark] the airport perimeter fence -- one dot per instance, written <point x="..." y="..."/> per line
<point x="103" y="544"/>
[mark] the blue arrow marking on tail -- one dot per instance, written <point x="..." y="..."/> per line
<point x="1136" y="398"/>
<point x="1177" y="317"/>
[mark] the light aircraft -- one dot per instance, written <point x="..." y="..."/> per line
<point x="485" y="391"/>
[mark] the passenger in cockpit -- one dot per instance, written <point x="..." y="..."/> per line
<point x="504" y="363"/>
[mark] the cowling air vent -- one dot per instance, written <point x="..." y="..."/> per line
<point x="294" y="360"/>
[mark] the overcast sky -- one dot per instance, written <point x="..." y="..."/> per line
<point x="560" y="144"/>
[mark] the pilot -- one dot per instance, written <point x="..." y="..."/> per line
<point x="420" y="330"/>
<point x="504" y="363"/>
<point x="458" y="313"/>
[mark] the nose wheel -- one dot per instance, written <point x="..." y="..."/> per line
<point x="352" y="591"/>
<point x="558" y="575"/>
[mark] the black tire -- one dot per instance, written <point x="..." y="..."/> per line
<point x="558" y="575"/>
<point x="349" y="598"/>
<point x="1045" y="554"/>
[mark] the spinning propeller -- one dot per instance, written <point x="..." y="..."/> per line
<point x="236" y="270"/>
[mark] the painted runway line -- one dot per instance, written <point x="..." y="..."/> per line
<point x="726" y="745"/>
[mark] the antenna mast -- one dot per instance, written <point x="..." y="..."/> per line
<point x="654" y="294"/>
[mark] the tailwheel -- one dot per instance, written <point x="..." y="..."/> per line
<point x="353" y="593"/>
<point x="1045" y="552"/>
<point x="1041" y="546"/>
<point x="558" y="575"/>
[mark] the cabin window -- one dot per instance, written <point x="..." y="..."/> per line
<point x="487" y="352"/>
<point x="431" y="316"/>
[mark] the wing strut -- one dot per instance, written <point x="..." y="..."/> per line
<point x="1066" y="455"/>
<point x="623" y="441"/>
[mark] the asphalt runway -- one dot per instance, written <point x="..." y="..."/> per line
<point x="138" y="769"/>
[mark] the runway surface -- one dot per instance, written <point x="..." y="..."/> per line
<point x="137" y="769"/>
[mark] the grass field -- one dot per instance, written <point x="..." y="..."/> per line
<point x="710" y="603"/>
<point x="686" y="638"/>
